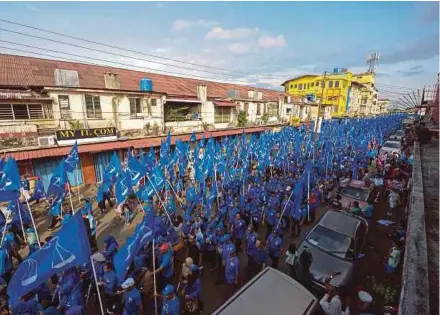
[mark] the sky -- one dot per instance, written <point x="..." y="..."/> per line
<point x="256" y="43"/>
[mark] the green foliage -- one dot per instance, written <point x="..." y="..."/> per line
<point x="175" y="114"/>
<point x="156" y="128"/>
<point x="147" y="127"/>
<point x="75" y="124"/>
<point x="265" y="118"/>
<point x="242" y="118"/>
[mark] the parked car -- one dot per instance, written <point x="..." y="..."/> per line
<point x="354" y="190"/>
<point x="390" y="147"/>
<point x="335" y="243"/>
<point x="397" y="136"/>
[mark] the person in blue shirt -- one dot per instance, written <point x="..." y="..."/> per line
<point x="5" y="264"/>
<point x="269" y="218"/>
<point x="132" y="298"/>
<point x="70" y="289"/>
<point x="286" y="207"/>
<point x="251" y="238"/>
<point x="109" y="282"/>
<point x="232" y="271"/>
<point x="166" y="265"/>
<point x="171" y="303"/>
<point x="210" y="247"/>
<point x="274" y="243"/>
<point x="193" y="289"/>
<point x="367" y="210"/>
<point x="110" y="247"/>
<point x="279" y="224"/>
<point x="26" y="187"/>
<point x="259" y="258"/>
<point x="238" y="229"/>
<point x="26" y="305"/>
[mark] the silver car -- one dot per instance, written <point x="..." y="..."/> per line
<point x="335" y="243"/>
<point x="390" y="147"/>
<point x="398" y="135"/>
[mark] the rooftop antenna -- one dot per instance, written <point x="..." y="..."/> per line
<point x="372" y="59"/>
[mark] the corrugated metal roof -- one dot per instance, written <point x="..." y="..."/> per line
<point x="225" y="103"/>
<point x="29" y="71"/>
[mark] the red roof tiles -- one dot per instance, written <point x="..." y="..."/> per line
<point x="29" y="71"/>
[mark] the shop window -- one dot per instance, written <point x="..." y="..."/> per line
<point x="93" y="106"/>
<point x="222" y="114"/>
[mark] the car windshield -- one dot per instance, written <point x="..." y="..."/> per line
<point x="394" y="145"/>
<point x="356" y="193"/>
<point x="331" y="242"/>
<point x="400" y="133"/>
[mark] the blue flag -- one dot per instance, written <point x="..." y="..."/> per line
<point x="55" y="207"/>
<point x="61" y="253"/>
<point x="39" y="192"/>
<point x="113" y="169"/>
<point x="126" y="254"/>
<point x="135" y="170"/>
<point x="123" y="187"/>
<point x="10" y="182"/>
<point x="72" y="159"/>
<point x="58" y="180"/>
<point x="16" y="207"/>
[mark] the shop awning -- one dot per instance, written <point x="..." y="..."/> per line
<point x="225" y="103"/>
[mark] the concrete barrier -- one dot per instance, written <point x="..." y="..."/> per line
<point x="414" y="297"/>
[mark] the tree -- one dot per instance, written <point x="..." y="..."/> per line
<point x="242" y="118"/>
<point x="175" y="114"/>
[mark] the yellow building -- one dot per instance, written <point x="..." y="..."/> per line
<point x="383" y="105"/>
<point x="354" y="108"/>
<point x="336" y="89"/>
<point x="368" y="92"/>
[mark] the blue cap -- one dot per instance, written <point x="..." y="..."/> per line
<point x="231" y="248"/>
<point x="194" y="267"/>
<point x="83" y="211"/>
<point x="225" y="238"/>
<point x="169" y="289"/>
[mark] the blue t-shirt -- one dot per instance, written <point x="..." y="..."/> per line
<point x="260" y="256"/>
<point x="110" y="282"/>
<point x="232" y="269"/>
<point x="132" y="301"/>
<point x="368" y="211"/>
<point x="30" y="307"/>
<point x="274" y="243"/>
<point x="167" y="264"/>
<point x="171" y="307"/>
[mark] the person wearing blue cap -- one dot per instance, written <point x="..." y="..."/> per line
<point x="238" y="229"/>
<point x="132" y="298"/>
<point x="171" y="303"/>
<point x="109" y="283"/>
<point x="259" y="258"/>
<point x="251" y="237"/>
<point x="274" y="243"/>
<point x="232" y="271"/>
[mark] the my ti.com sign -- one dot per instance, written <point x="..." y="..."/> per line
<point x="86" y="133"/>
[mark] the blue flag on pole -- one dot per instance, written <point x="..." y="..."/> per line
<point x="126" y="254"/>
<point x="123" y="187"/>
<point x="72" y="159"/>
<point x="10" y="183"/>
<point x="61" y="253"/>
<point x="58" y="180"/>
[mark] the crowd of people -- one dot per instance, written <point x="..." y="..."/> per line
<point x="213" y="218"/>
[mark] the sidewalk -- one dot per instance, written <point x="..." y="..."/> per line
<point x="430" y="162"/>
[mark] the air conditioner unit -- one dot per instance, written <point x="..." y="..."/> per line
<point x="46" y="141"/>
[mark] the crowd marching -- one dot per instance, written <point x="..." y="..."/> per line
<point x="204" y="203"/>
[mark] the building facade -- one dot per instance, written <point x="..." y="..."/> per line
<point x="368" y="92"/>
<point x="39" y="97"/>
<point x="331" y="89"/>
<point x="382" y="105"/>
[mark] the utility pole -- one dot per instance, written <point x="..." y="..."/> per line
<point x="323" y="84"/>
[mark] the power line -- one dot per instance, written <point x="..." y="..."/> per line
<point x="99" y="59"/>
<point x="122" y="49"/>
<point x="114" y="54"/>
<point x="95" y="64"/>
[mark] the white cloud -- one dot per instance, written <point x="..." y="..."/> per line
<point x="272" y="42"/>
<point x="239" y="48"/>
<point x="236" y="33"/>
<point x="159" y="5"/>
<point x="161" y="50"/>
<point x="181" y="25"/>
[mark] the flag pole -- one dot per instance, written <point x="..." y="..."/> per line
<point x="71" y="203"/>
<point x="161" y="202"/>
<point x="33" y="222"/>
<point x="77" y="182"/>
<point x="97" y="287"/>
<point x="154" y="279"/>
<point x="308" y="196"/>
<point x="4" y="231"/>
<point x="21" y="220"/>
